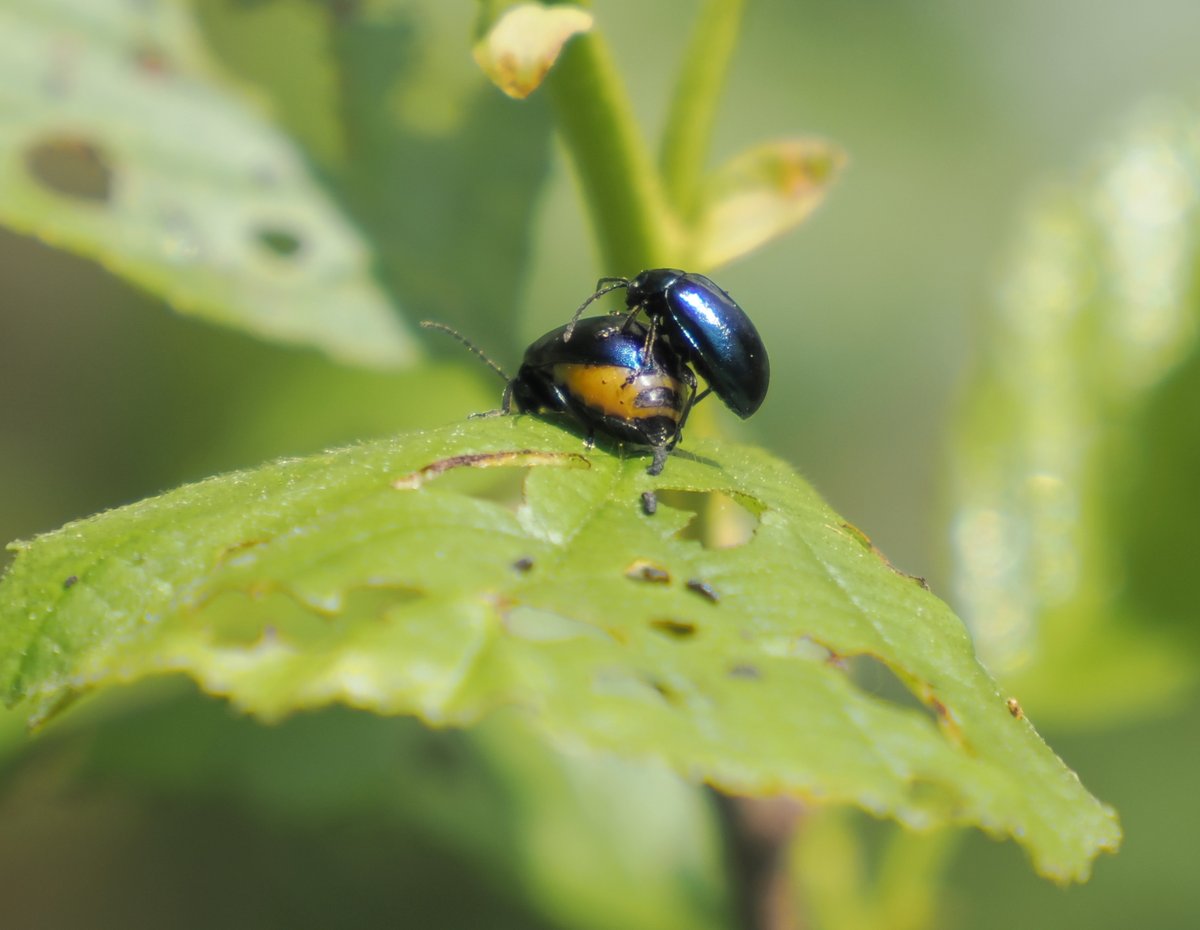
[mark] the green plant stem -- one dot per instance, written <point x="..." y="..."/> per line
<point x="633" y="224"/>
<point x="694" y="106"/>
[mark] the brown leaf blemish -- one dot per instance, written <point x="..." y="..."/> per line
<point x="668" y="694"/>
<point x="642" y="570"/>
<point x="1014" y="708"/>
<point x="865" y="541"/>
<point x="229" y="554"/>
<point x="680" y="629"/>
<point x="745" y="671"/>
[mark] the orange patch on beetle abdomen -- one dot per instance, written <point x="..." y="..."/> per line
<point x="609" y="390"/>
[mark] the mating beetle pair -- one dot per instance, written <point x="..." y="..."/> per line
<point x="634" y="382"/>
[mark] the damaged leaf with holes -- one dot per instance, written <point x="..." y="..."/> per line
<point x="118" y="143"/>
<point x="392" y="577"/>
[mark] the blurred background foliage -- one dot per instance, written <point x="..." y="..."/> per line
<point x="997" y="380"/>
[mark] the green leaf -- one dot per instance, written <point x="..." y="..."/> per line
<point x="1076" y="459"/>
<point x="371" y="576"/>
<point x="442" y="170"/>
<point x="118" y="143"/>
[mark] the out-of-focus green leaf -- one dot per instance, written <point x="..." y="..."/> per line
<point x="117" y="142"/>
<point x="368" y="576"/>
<point x="590" y="841"/>
<point x="520" y="48"/>
<point x="1076" y="466"/>
<point x="605" y="842"/>
<point x="762" y="194"/>
<point x="442" y="170"/>
<point x="283" y="53"/>
<point x="439" y="169"/>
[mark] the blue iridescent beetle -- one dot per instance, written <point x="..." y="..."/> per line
<point x="611" y="378"/>
<point x="703" y="325"/>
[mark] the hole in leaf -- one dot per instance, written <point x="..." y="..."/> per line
<point x="873" y="676"/>
<point x="721" y="522"/>
<point x="679" y="629"/>
<point x="261" y="621"/>
<point x="71" y="166"/>
<point x="280" y="242"/>
<point x="376" y="600"/>
<point x="523" y="459"/>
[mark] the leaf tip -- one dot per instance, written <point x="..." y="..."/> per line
<point x="520" y="48"/>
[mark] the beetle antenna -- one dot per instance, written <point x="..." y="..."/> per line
<point x="471" y="347"/>
<point x="603" y="286"/>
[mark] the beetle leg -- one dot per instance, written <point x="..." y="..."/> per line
<point x="647" y="346"/>
<point x="660" y="459"/>
<point x="589" y="441"/>
<point x="689" y="378"/>
<point x="603" y="286"/>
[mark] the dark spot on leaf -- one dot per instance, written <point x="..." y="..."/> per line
<point x="722" y="521"/>
<point x="641" y="570"/>
<point x="649" y="503"/>
<point x="280" y="242"/>
<point x="669" y="694"/>
<point x="70" y="581"/>
<point x="523" y="565"/>
<point x="522" y="458"/>
<point x="1014" y="708"/>
<point x="745" y="670"/>
<point x="704" y="589"/>
<point x="680" y="629"/>
<point x="71" y="166"/>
